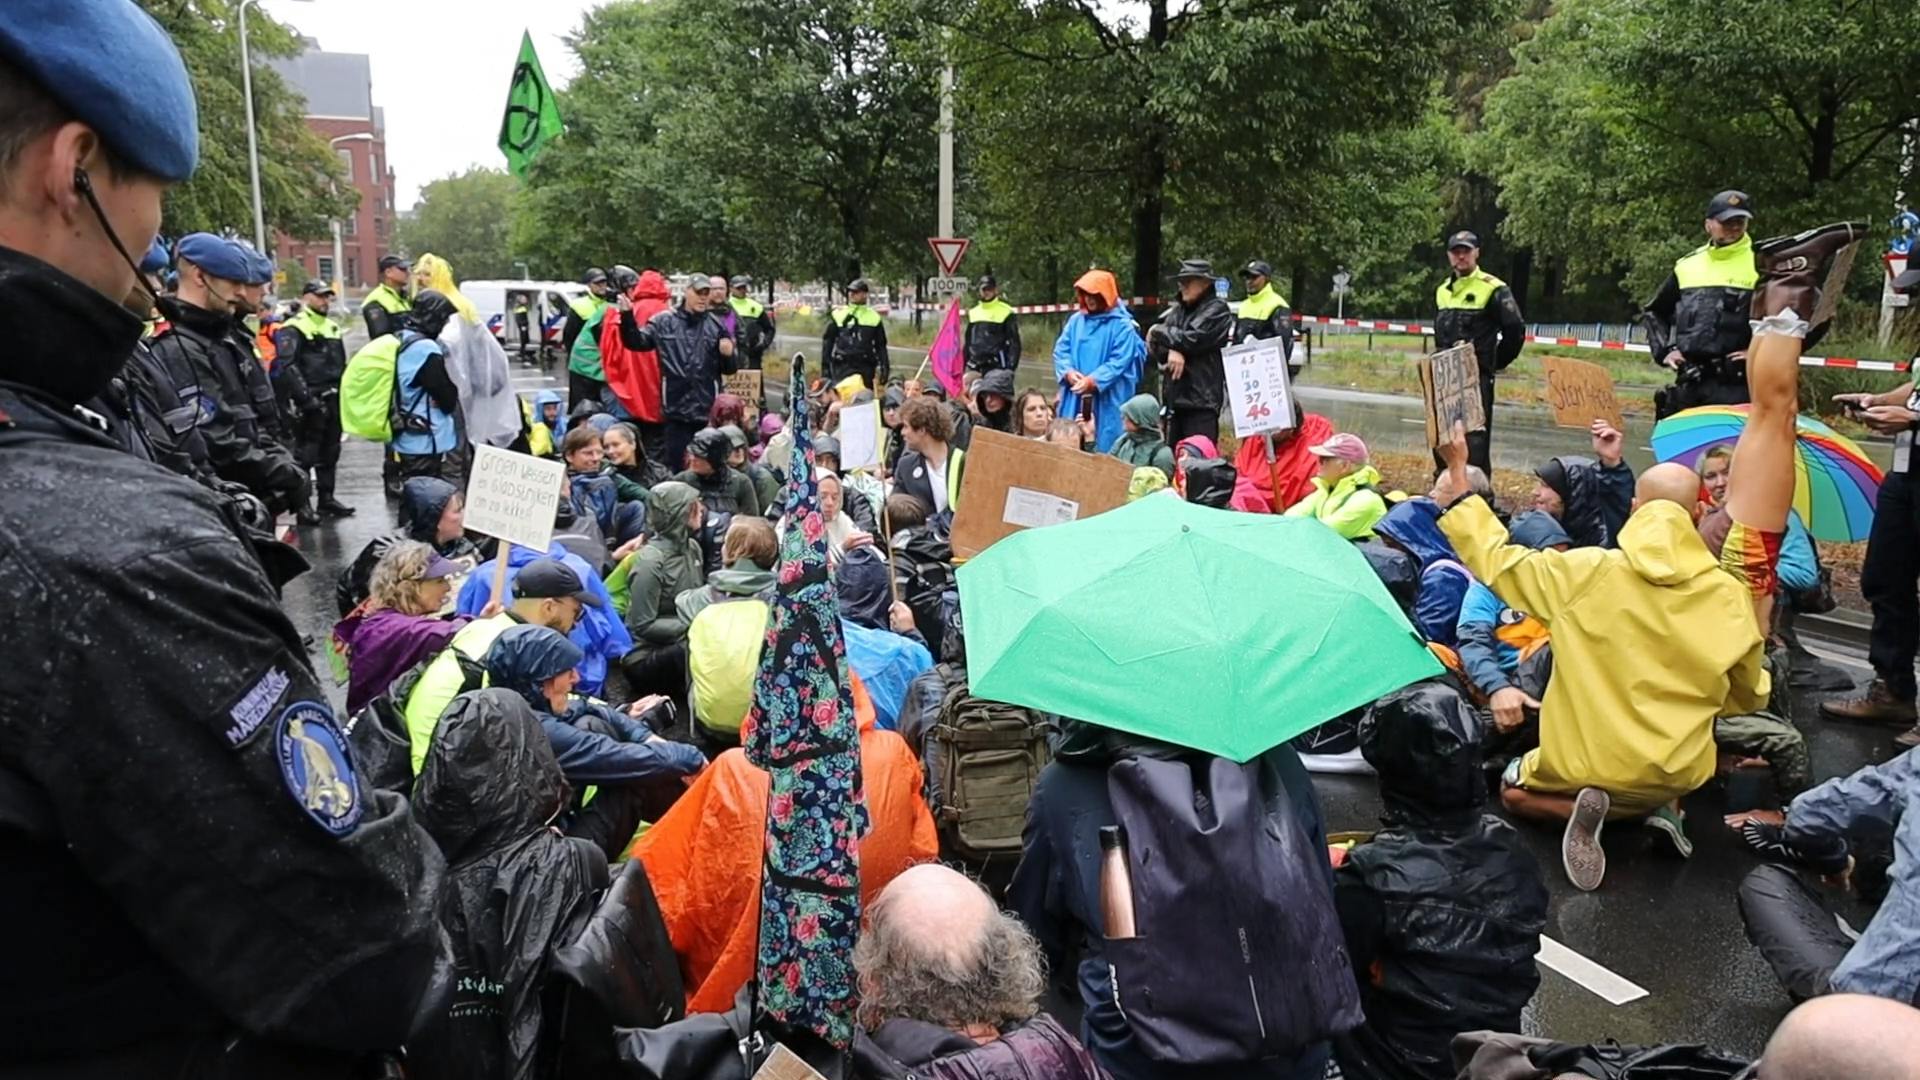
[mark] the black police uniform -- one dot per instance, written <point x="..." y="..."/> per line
<point x="199" y="351"/>
<point x="197" y="882"/>
<point x="1479" y="308"/>
<point x="319" y="359"/>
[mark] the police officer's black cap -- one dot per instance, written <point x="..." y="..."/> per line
<point x="388" y="262"/>
<point x="1194" y="268"/>
<point x="740" y="281"/>
<point x="593" y="276"/>
<point x="1728" y="205"/>
<point x="859" y="285"/>
<point x="316" y="288"/>
<point x="1465" y="238"/>
<point x="544" y="579"/>
<point x="987" y="281"/>
<point x="1257" y="268"/>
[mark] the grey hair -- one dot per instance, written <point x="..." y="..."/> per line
<point x="396" y="577"/>
<point x="1478" y="484"/>
<point x="925" y="973"/>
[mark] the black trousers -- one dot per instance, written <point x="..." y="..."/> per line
<point x="412" y="465"/>
<point x="583" y="388"/>
<point x="317" y="445"/>
<point x="1888" y="580"/>
<point x="673" y="444"/>
<point x="617" y="810"/>
<point x="1702" y="384"/>
<point x="1185" y="423"/>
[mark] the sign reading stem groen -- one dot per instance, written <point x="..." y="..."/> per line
<point x="1581" y="393"/>
<point x="513" y="497"/>
<point x="1450" y="387"/>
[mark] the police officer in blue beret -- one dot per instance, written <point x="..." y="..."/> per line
<point x="195" y="878"/>
<point x="206" y="346"/>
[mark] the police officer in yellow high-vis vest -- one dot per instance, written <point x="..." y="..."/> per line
<point x="1477" y="307"/>
<point x="1697" y="323"/>
<point x="1264" y="313"/>
<point x="993" y="332"/>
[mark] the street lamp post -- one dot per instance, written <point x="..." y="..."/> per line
<point x="253" y="139"/>
<point x="339" y="245"/>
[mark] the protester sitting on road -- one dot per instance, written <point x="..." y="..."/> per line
<point x="722" y="488"/>
<point x="1850" y="1035"/>
<point x="1506" y="655"/>
<point x="705" y="856"/>
<point x="1140" y="443"/>
<point x="1620" y="734"/>
<point x="723" y="646"/>
<point x="1056" y="892"/>
<point x="993" y="401"/>
<point x="633" y="472"/>
<point x="922" y="564"/>
<point x="546" y="592"/>
<point x="1794" y="928"/>
<point x="1799" y="567"/>
<point x="749" y="553"/>
<point x="861" y="492"/>
<point x="549" y="412"/>
<point x="959" y="411"/>
<point x="1202" y="477"/>
<point x="668" y="564"/>
<point x="766" y="489"/>
<point x="1033" y="415"/>
<point x="1146" y="481"/>
<point x="950" y="986"/>
<point x="1099" y="356"/>
<point x="1293" y="465"/>
<point x="930" y="469"/>
<point x="1414" y="527"/>
<point x="1345" y="496"/>
<point x="884" y="647"/>
<point x="1443" y="908"/>
<point x="1590" y="500"/>
<point x="1070" y="433"/>
<point x="728" y="409"/>
<point x="433" y="512"/>
<point x="592" y="493"/>
<point x="638" y="773"/>
<point x="401" y="624"/>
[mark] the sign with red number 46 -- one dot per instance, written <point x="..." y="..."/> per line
<point x="1257" y="390"/>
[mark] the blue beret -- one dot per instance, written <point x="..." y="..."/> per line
<point x="156" y="258"/>
<point x="115" y="70"/>
<point x="261" y="266"/>
<point x="216" y="255"/>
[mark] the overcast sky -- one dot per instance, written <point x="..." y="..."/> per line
<point x="440" y="69"/>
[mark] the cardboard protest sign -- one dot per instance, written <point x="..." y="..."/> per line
<point x="1450" y="387"/>
<point x="743" y="384"/>
<point x="860" y="436"/>
<point x="1257" y="389"/>
<point x="1836" y="284"/>
<point x="1581" y="393"/>
<point x="784" y="1064"/>
<point x="1010" y="483"/>
<point x="514" y="496"/>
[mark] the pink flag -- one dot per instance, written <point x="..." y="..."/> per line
<point x="946" y="358"/>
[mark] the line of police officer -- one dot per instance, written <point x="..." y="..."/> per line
<point x="197" y="881"/>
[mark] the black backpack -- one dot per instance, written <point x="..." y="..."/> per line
<point x="382" y="746"/>
<point x="983" y="759"/>
<point x="1239" y="955"/>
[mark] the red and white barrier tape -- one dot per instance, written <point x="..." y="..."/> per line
<point x="1052" y="309"/>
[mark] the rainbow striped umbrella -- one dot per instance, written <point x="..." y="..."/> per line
<point x="1835" y="484"/>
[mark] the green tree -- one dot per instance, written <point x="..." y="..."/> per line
<point x="1624" y="116"/>
<point x="302" y="186"/>
<point x="465" y="219"/>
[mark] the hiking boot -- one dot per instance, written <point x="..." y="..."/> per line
<point x="1580" y="852"/>
<point x="1823" y="855"/>
<point x="1672" y="826"/>
<point x="1790" y="267"/>
<point x="334" y="508"/>
<point x="1879" y="705"/>
<point x="307" y="516"/>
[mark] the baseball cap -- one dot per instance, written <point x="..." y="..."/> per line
<point x="439" y="567"/>
<point x="1730" y="204"/>
<point x="1257" y="268"/>
<point x="1464" y="238"/>
<point x="316" y="288"/>
<point x="735" y="436"/>
<point x="593" y="274"/>
<point x="113" y="67"/>
<point x="740" y="281"/>
<point x="987" y="281"/>
<point x="1343" y="446"/>
<point x="859" y="285"/>
<point x="388" y="262"/>
<point x="544" y="579"/>
<point x="699" y="283"/>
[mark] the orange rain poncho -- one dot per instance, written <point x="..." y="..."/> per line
<point x="704" y="857"/>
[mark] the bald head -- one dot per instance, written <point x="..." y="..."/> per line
<point x="936" y="949"/>
<point x="1850" y="1035"/>
<point x="1670" y="482"/>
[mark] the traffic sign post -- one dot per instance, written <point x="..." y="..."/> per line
<point x="948" y="251"/>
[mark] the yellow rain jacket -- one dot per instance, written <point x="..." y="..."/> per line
<point x="1650" y="643"/>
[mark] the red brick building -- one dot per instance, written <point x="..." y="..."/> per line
<point x="339" y="92"/>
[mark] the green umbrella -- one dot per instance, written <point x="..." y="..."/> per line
<point x="1218" y="631"/>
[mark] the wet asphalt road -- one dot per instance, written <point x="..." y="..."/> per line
<point x="1667" y="925"/>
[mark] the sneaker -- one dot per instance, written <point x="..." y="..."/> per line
<point x="1672" y="826"/>
<point x="1822" y="855"/>
<point x="1879" y="705"/>
<point x="1580" y="852"/>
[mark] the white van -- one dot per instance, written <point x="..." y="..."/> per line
<point x="547" y="306"/>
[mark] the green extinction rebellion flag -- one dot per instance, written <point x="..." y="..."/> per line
<point x="532" y="119"/>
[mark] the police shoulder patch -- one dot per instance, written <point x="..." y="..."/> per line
<point x="317" y="767"/>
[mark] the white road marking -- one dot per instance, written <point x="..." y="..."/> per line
<point x="1837" y="658"/>
<point x="1412" y="420"/>
<point x="1608" y="985"/>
